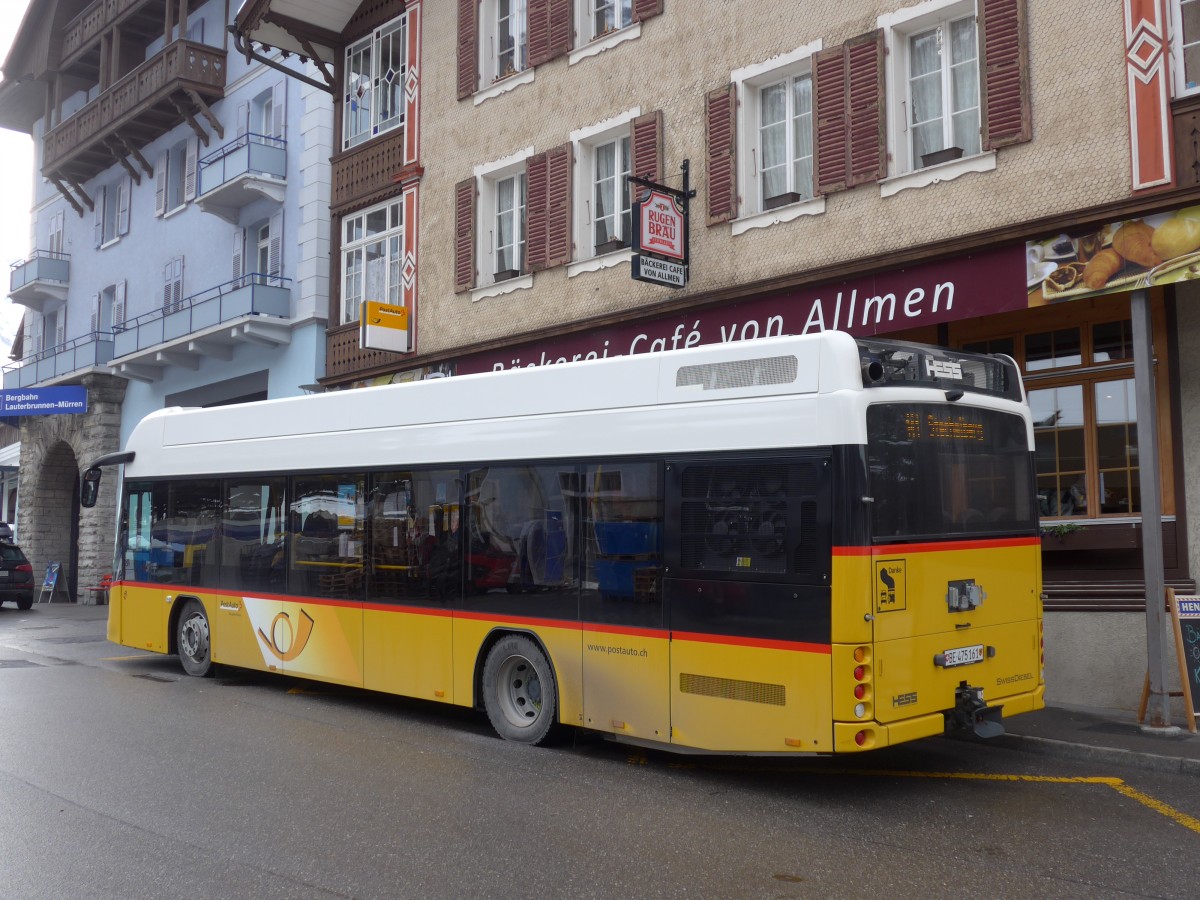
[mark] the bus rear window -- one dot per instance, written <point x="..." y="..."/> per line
<point x="938" y="470"/>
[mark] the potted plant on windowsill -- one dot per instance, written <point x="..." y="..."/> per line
<point x="506" y="274"/>
<point x="941" y="156"/>
<point x="781" y="200"/>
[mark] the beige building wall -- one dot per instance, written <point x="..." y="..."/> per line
<point x="1079" y="156"/>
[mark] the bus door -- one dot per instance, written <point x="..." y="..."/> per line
<point x="748" y="599"/>
<point x="626" y="651"/>
<point x="143" y="614"/>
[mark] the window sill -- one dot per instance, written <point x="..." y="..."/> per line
<point x="504" y="85"/>
<point x="110" y="242"/>
<point x="607" y="42"/>
<point x="813" y="207"/>
<point x="520" y="283"/>
<point x="947" y="171"/>
<point x="171" y="212"/>
<point x="596" y="263"/>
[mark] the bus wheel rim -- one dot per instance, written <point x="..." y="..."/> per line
<point x="194" y="638"/>
<point x="519" y="692"/>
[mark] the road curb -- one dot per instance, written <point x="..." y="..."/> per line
<point x="1115" y="756"/>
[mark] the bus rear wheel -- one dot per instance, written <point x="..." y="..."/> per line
<point x="519" y="693"/>
<point x="193" y="640"/>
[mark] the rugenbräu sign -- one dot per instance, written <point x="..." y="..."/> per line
<point x="46" y="401"/>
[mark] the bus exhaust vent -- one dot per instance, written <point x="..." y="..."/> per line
<point x="732" y="689"/>
<point x="741" y="373"/>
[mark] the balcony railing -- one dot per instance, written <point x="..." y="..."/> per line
<point x="90" y="24"/>
<point x="82" y="354"/>
<point x="78" y="143"/>
<point x="244" y="170"/>
<point x="251" y="295"/>
<point x="41" y="280"/>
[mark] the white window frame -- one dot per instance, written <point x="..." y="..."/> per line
<point x="262" y="248"/>
<point x="584" y="142"/>
<point x="110" y="199"/>
<point x="487" y="178"/>
<point x="1181" y="87"/>
<point x="897" y="28"/>
<point x="490" y="31"/>
<point x="589" y="43"/>
<point x="392" y="238"/>
<point x="748" y="83"/>
<point x="176" y="187"/>
<point x="395" y="30"/>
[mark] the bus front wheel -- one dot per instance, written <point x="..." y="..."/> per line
<point x="193" y="640"/>
<point x="519" y="693"/>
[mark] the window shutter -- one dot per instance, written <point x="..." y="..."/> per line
<point x="720" y="117"/>
<point x="646" y="9"/>
<point x="279" y="109"/>
<point x="829" y="113"/>
<point x="275" y="248"/>
<point x="549" y="30"/>
<point x="168" y="277"/>
<point x="239" y="245"/>
<point x="646" y="137"/>
<point x="38" y="347"/>
<point x="160" y="184"/>
<point x="56" y="233"/>
<point x="558" y="206"/>
<point x="95" y="313"/>
<point x="866" y="101"/>
<point x="243" y="119"/>
<point x="60" y="330"/>
<point x="1004" y="71"/>
<point x="124" y="191"/>
<point x="189" y="169"/>
<point x="468" y="47"/>
<point x="118" y="313"/>
<point x="99" y="214"/>
<point x="464" y="235"/>
<point x="535" y="212"/>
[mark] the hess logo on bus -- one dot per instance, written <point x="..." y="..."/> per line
<point x="287" y="641"/>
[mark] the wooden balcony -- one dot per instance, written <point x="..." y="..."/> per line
<point x="368" y="172"/>
<point x="345" y="358"/>
<point x="136" y="17"/>
<point x="145" y="104"/>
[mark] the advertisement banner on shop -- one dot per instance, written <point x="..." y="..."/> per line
<point x="980" y="284"/>
<point x="1158" y="249"/>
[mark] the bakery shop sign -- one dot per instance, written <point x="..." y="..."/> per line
<point x="1121" y="256"/>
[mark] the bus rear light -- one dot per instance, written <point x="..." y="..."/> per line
<point x="860" y="710"/>
<point x="860" y="673"/>
<point x="860" y="691"/>
<point x="860" y="654"/>
<point x="860" y="738"/>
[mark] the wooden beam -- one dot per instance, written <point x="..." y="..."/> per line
<point x="191" y="120"/>
<point x="67" y="195"/>
<point x="206" y="112"/>
<point x="78" y="188"/>
<point x="136" y="154"/>
<point x="324" y="69"/>
<point x="125" y="164"/>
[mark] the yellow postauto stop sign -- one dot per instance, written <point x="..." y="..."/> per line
<point x="383" y="315"/>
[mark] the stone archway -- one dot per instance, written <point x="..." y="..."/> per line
<point x="53" y="451"/>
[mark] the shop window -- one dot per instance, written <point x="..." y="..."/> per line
<point x="1052" y="350"/>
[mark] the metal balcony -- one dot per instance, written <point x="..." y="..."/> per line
<point x="41" y="281"/>
<point x="251" y="309"/>
<point x="244" y="170"/>
<point x="90" y="353"/>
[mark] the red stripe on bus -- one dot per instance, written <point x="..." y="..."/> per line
<point x="937" y="546"/>
<point x="627" y="630"/>
<point x="736" y="641"/>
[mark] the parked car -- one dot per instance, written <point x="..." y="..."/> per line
<point x="16" y="572"/>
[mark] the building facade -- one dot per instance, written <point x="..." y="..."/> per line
<point x="952" y="171"/>
<point x="179" y="233"/>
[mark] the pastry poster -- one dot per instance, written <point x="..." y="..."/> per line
<point x="1123" y="256"/>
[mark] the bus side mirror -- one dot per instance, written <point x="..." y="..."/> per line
<point x="89" y="488"/>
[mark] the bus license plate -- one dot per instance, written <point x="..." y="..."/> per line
<point x="962" y="656"/>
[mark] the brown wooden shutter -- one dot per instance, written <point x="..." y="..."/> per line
<point x="830" y="115"/>
<point x="866" y="100"/>
<point x="468" y="47"/>
<point x="646" y="138"/>
<point x="720" y="118"/>
<point x="1004" y="71"/>
<point x="549" y="30"/>
<point x="535" y="212"/>
<point x="646" y="9"/>
<point x="558" y="206"/>
<point x="849" y="103"/>
<point x="464" y="235"/>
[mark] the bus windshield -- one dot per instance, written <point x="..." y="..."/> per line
<point x="945" y="471"/>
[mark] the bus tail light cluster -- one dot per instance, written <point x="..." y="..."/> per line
<point x="1042" y="649"/>
<point x="862" y="686"/>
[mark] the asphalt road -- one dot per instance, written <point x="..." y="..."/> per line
<point x="121" y="777"/>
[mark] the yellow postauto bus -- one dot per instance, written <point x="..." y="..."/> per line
<point x="814" y="544"/>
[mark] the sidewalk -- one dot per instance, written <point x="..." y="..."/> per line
<point x="1110" y="736"/>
